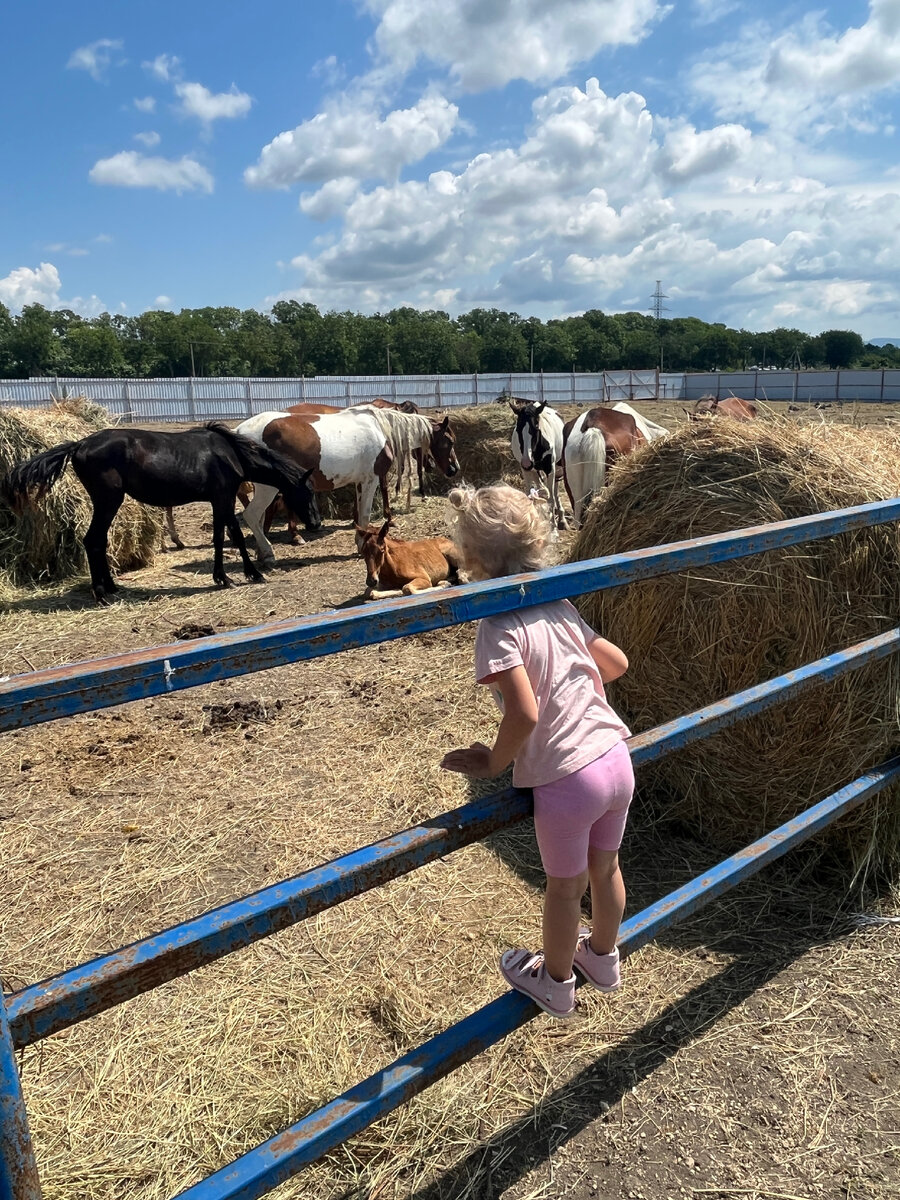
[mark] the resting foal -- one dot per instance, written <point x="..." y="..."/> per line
<point x="397" y="568"/>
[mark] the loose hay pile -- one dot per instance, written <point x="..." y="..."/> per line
<point x="43" y="543"/>
<point x="696" y="637"/>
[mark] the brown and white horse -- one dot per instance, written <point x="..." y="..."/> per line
<point x="354" y="446"/>
<point x="593" y="441"/>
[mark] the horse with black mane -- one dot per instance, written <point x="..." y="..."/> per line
<point x="165" y="470"/>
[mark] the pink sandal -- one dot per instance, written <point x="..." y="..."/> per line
<point x="525" y="971"/>
<point x="599" y="970"/>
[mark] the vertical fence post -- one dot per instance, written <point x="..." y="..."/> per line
<point x="249" y="400"/>
<point x="837" y="384"/>
<point x="18" y="1169"/>
<point x="192" y="406"/>
<point x="126" y="396"/>
<point x="476" y="387"/>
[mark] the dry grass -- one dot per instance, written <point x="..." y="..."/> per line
<point x="701" y="635"/>
<point x="741" y="1041"/>
<point x="43" y="542"/>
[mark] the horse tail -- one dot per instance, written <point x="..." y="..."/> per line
<point x="261" y="464"/>
<point x="39" y="473"/>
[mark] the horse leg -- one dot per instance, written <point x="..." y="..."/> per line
<point x="420" y="468"/>
<point x="173" y="532"/>
<point x="561" y="521"/>
<point x="220" y="517"/>
<point x="385" y="497"/>
<point x="237" y="540"/>
<point x="366" y="493"/>
<point x="263" y="495"/>
<point x="106" y="505"/>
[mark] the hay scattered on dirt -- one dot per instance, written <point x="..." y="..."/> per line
<point x="43" y="543"/>
<point x="699" y="636"/>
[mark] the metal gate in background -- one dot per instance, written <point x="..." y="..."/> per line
<point x="45" y="1008"/>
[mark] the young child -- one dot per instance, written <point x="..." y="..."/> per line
<point x="547" y="669"/>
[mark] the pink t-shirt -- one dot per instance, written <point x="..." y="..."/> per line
<point x="575" y="723"/>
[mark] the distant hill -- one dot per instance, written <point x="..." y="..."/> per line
<point x="894" y="341"/>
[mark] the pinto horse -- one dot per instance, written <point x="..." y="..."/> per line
<point x="165" y="470"/>
<point x="537" y="446"/>
<point x="593" y="441"/>
<point x="404" y="468"/>
<point x="352" y="446"/>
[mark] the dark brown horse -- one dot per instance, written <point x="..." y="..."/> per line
<point x="164" y="470"/>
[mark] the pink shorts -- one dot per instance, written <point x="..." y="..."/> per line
<point x="587" y="808"/>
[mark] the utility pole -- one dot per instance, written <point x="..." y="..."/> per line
<point x="657" y="310"/>
<point x="388" y="348"/>
<point x="193" y="372"/>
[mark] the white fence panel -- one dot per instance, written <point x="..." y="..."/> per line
<point x="154" y="401"/>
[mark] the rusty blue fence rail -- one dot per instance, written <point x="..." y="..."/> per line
<point x="282" y="1156"/>
<point x="44" y="1008"/>
<point x="101" y="683"/>
<point x="91" y="988"/>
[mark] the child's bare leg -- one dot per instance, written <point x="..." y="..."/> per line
<point x="562" y="916"/>
<point x="607" y="898"/>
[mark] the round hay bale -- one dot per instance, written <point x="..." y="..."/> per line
<point x="482" y="447"/>
<point x="698" y="636"/>
<point x="43" y="543"/>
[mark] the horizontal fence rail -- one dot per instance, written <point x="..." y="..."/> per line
<point x="280" y="1157"/>
<point x="45" y="1008"/>
<point x="101" y="683"/>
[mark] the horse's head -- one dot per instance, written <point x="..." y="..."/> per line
<point x="370" y="544"/>
<point x="304" y="503"/>
<point x="442" y="447"/>
<point x="534" y="452"/>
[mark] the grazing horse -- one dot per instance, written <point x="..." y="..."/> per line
<point x="166" y="470"/>
<point x="355" y="445"/>
<point x="404" y="468"/>
<point x="730" y="406"/>
<point x="593" y="441"/>
<point x="537" y="446"/>
<point x="398" y="568"/>
<point x="650" y="430"/>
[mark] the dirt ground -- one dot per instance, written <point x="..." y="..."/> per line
<point x="754" y="1051"/>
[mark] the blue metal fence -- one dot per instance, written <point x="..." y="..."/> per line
<point x="44" y="1008"/>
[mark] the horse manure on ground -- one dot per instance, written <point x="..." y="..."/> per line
<point x="240" y="714"/>
<point x="184" y="633"/>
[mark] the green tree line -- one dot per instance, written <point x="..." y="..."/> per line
<point x="297" y="339"/>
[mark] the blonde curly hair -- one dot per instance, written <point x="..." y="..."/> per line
<point x="499" y="530"/>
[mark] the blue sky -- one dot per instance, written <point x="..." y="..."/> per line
<point x="542" y="158"/>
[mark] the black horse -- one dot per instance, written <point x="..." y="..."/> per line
<point x="166" y="470"/>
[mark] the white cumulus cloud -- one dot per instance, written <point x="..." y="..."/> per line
<point x="26" y="286"/>
<point x="95" y="57"/>
<point x="145" y="104"/>
<point x="687" y="153"/>
<point x="128" y="168"/>
<point x="808" y="74"/>
<point x="198" y="101"/>
<point x="149" y="139"/>
<point x="487" y="43"/>
<point x="354" y="142"/>
<point x="163" y="67"/>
